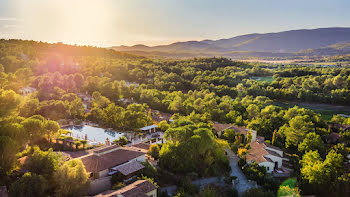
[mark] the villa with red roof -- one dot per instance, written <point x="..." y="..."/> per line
<point x="271" y="157"/>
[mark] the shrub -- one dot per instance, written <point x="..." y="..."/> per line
<point x="257" y="192"/>
<point x="118" y="185"/>
<point x="154" y="151"/>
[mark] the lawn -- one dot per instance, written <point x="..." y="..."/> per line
<point x="326" y="110"/>
<point x="268" y="79"/>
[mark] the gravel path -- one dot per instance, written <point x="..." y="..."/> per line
<point x="243" y="184"/>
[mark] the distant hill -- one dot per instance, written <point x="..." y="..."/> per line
<point x="313" y="42"/>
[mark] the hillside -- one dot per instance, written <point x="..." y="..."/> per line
<point x="322" y="41"/>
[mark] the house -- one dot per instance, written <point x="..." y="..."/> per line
<point x="220" y="129"/>
<point x="128" y="84"/>
<point x="333" y="138"/>
<point x="101" y="161"/>
<point x="143" y="146"/>
<point x="267" y="155"/>
<point x="128" y="171"/>
<point x="86" y="99"/>
<point x="140" y="188"/>
<point x="159" y="116"/>
<point x="149" y="128"/>
<point x="341" y="127"/>
<point x="26" y="90"/>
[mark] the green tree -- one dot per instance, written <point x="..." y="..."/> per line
<point x="51" y="128"/>
<point x="8" y="150"/>
<point x="312" y="141"/>
<point x="299" y="126"/>
<point x="249" y="136"/>
<point x="207" y="192"/>
<point x="77" y="108"/>
<point x="9" y="101"/>
<point x="29" y="185"/>
<point x="122" y="141"/>
<point x="43" y="162"/>
<point x="253" y="110"/>
<point x="154" y="151"/>
<point x="257" y="192"/>
<point x="287" y="191"/>
<point x="274" y="137"/>
<point x="29" y="107"/>
<point x="337" y="119"/>
<point x="34" y="127"/>
<point x="71" y="179"/>
<point x="163" y="125"/>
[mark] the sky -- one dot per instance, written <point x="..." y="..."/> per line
<point x="153" y="22"/>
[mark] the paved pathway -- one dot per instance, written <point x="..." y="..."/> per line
<point x="243" y="184"/>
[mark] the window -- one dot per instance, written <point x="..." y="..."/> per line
<point x="268" y="168"/>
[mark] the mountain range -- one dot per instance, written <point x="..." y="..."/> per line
<point x="303" y="42"/>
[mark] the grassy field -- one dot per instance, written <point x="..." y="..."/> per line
<point x="268" y="79"/>
<point x="326" y="110"/>
<point x="324" y="63"/>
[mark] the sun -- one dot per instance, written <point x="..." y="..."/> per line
<point x="73" y="22"/>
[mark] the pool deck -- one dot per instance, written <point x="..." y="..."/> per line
<point x="130" y="135"/>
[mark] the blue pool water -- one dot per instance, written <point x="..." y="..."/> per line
<point x="93" y="133"/>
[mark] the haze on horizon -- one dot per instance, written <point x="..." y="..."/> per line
<point x="153" y="22"/>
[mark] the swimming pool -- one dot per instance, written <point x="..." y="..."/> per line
<point x="93" y="133"/>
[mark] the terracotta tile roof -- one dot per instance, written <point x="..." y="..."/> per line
<point x="241" y="130"/>
<point x="333" y="137"/>
<point x="221" y="127"/>
<point x="136" y="189"/>
<point x="129" y="168"/>
<point x="257" y="152"/>
<point x="105" y="148"/>
<point x="23" y="160"/>
<point x="142" y="146"/>
<point x="97" y="163"/>
<point x="160" y="116"/>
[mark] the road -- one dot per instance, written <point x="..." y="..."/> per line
<point x="243" y="184"/>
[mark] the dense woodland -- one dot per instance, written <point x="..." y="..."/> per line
<point x="197" y="91"/>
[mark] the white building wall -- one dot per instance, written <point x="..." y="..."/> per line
<point x="253" y="135"/>
<point x="141" y="158"/>
<point x="103" y="173"/>
<point x="275" y="159"/>
<point x="268" y="165"/>
<point x="152" y="193"/>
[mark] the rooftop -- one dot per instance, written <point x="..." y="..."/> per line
<point x="137" y="189"/>
<point x="257" y="152"/>
<point x="105" y="148"/>
<point x="220" y="127"/>
<point x="97" y="163"/>
<point x="149" y="127"/>
<point x="129" y="168"/>
<point x="142" y="146"/>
